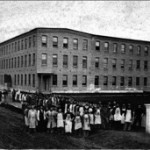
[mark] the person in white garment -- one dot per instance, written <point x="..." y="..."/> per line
<point x="32" y="118"/>
<point x="78" y="124"/>
<point x="117" y="117"/>
<point x="128" y="118"/>
<point x="60" y="122"/>
<point x="51" y="116"/>
<point x="86" y="124"/>
<point x="68" y="122"/>
<point x="26" y="121"/>
<point x="91" y="115"/>
<point x="97" y="118"/>
<point x="123" y="112"/>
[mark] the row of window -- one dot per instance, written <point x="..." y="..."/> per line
<point x="106" y="45"/>
<point x="65" y="62"/>
<point x="138" y="80"/>
<point x="17" y="62"/>
<point x="24" y="80"/>
<point x="44" y="42"/>
<point x="122" y="48"/>
<point x="25" y="43"/>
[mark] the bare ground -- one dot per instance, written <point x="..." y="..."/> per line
<point x="14" y="136"/>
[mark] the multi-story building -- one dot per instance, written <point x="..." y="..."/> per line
<point x="64" y="60"/>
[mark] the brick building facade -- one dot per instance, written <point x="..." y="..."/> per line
<point x="64" y="60"/>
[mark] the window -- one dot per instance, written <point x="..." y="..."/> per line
<point x="21" y="79"/>
<point x="33" y="64"/>
<point x="137" y="81"/>
<point x="18" y="79"/>
<point x="131" y="49"/>
<point x="44" y="40"/>
<point x="105" y="63"/>
<point x="29" y="79"/>
<point x="105" y="81"/>
<point x="33" y="80"/>
<point x="18" y="45"/>
<point x="25" y="44"/>
<point x="55" y="60"/>
<point x="44" y="59"/>
<point x="122" y="81"/>
<point x="74" y="81"/>
<point x="114" y="80"/>
<point x="12" y="60"/>
<point x="25" y="61"/>
<point x="106" y="46"/>
<point x="129" y="81"/>
<point x="34" y="40"/>
<point x="29" y="42"/>
<point x="97" y="62"/>
<point x="65" y="80"/>
<point x="55" y="41"/>
<point x="123" y="49"/>
<point x="145" y="81"/>
<point x="15" y="80"/>
<point x="146" y="51"/>
<point x="85" y="44"/>
<point x="55" y="80"/>
<point x="25" y="79"/>
<point x="75" y="61"/>
<point x="130" y="64"/>
<point x="114" y="63"/>
<point x="122" y="64"/>
<point x="15" y="63"/>
<point x="21" y="44"/>
<point x="139" y="50"/>
<point x="6" y="63"/>
<point x="18" y="62"/>
<point x="65" y="60"/>
<point x="84" y="61"/>
<point x="75" y="44"/>
<point x="29" y="60"/>
<point x="96" y="81"/>
<point x="65" y="43"/>
<point x="21" y="61"/>
<point x="97" y="45"/>
<point x="145" y="65"/>
<point x="138" y="64"/>
<point x="84" y="80"/>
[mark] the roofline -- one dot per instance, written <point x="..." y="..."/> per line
<point x="75" y="31"/>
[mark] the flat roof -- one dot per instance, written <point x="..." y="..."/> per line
<point x="35" y="30"/>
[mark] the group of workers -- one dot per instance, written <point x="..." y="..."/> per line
<point x="63" y="115"/>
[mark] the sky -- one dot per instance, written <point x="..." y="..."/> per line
<point x="126" y="19"/>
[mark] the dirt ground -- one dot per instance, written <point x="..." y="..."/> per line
<point x="14" y="136"/>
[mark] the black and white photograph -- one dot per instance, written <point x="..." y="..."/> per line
<point x="74" y="74"/>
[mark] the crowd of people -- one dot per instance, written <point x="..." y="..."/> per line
<point x="64" y="115"/>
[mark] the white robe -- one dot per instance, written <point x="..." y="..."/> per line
<point x="128" y="116"/>
<point x="32" y="116"/>
<point x="60" y="121"/>
<point x="68" y="126"/>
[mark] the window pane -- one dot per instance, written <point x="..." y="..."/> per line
<point x="74" y="81"/>
<point x="55" y="41"/>
<point x="105" y="82"/>
<point x="96" y="82"/>
<point x="44" y="59"/>
<point x="84" y="80"/>
<point x="123" y="48"/>
<point x="65" y="43"/>
<point x="114" y="80"/>
<point x="65" y="60"/>
<point x="75" y="61"/>
<point x="44" y="40"/>
<point x="97" y="45"/>
<point x="54" y="59"/>
<point x="55" y="80"/>
<point x="85" y="44"/>
<point x="65" y="80"/>
<point x="96" y="62"/>
<point x="84" y="62"/>
<point x="122" y="81"/>
<point x="75" y="44"/>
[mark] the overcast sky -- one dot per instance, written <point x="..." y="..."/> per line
<point x="110" y="18"/>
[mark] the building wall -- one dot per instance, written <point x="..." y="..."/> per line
<point x="47" y="71"/>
